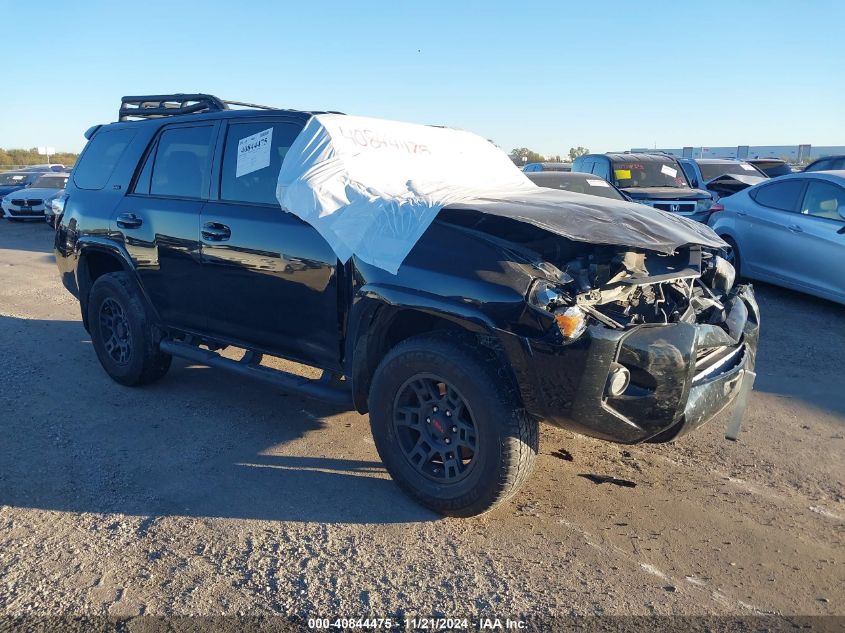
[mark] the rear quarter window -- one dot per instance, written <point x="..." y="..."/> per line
<point x="100" y="157"/>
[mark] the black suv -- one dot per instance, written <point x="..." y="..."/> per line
<point x="597" y="315"/>
<point x="655" y="179"/>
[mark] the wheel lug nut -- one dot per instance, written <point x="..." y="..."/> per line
<point x="454" y="429"/>
<point x="434" y="409"/>
<point x="428" y="420"/>
<point x="448" y="414"/>
<point x="447" y="440"/>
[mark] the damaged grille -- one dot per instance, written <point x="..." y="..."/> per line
<point x="713" y="361"/>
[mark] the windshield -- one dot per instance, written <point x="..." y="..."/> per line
<point x="648" y="173"/>
<point x="13" y="179"/>
<point x="776" y="169"/>
<point x="50" y="182"/>
<point x="709" y="171"/>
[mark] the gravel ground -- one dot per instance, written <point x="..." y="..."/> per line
<point x="206" y="494"/>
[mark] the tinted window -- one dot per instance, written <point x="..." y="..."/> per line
<point x="181" y="162"/>
<point x="689" y="170"/>
<point x="13" y="179"/>
<point x="250" y="169"/>
<point x="823" y="200"/>
<point x="600" y="168"/>
<point x="100" y="158"/>
<point x="773" y="170"/>
<point x="780" y="195"/>
<point x="820" y="165"/>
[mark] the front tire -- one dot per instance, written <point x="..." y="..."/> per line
<point x="449" y="428"/>
<point x="733" y="255"/>
<point x="124" y="336"/>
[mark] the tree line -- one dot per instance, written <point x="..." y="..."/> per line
<point x="523" y="155"/>
<point x="21" y="157"/>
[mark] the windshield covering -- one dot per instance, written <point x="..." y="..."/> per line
<point x="13" y="179"/>
<point x="709" y="171"/>
<point x="648" y="173"/>
<point x="50" y="182"/>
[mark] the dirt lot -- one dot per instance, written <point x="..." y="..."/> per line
<point x="207" y="494"/>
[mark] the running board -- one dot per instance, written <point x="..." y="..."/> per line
<point x="321" y="389"/>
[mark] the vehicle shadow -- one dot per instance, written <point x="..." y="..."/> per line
<point x="200" y="442"/>
<point x="802" y="343"/>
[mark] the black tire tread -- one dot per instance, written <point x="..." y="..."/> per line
<point x="521" y="443"/>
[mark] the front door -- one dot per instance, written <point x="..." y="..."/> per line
<point x="271" y="281"/>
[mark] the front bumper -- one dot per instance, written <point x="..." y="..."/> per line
<point x="18" y="213"/>
<point x="676" y="386"/>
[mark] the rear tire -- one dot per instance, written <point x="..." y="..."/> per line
<point x="450" y="430"/>
<point x="124" y="336"/>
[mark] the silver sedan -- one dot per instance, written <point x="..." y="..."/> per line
<point x="789" y="231"/>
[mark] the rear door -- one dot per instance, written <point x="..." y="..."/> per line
<point x="159" y="220"/>
<point x="769" y="243"/>
<point x="271" y="281"/>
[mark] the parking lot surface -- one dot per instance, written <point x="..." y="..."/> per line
<point x="209" y="494"/>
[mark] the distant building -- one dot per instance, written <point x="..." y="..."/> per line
<point x="790" y="153"/>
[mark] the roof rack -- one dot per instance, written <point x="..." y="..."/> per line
<point x="155" y="106"/>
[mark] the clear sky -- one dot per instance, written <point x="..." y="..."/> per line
<point x="544" y="75"/>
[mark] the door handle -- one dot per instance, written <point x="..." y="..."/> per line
<point x="795" y="228"/>
<point x="214" y="232"/>
<point x="129" y="221"/>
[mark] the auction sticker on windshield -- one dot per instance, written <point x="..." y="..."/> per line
<point x="622" y="174"/>
<point x="254" y="152"/>
<point x="597" y="183"/>
<point x="665" y="169"/>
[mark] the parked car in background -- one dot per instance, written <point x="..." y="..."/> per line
<point x="28" y="203"/>
<point x="772" y="167"/>
<point x="827" y="163"/>
<point x="12" y="181"/>
<point x="53" y="213"/>
<point x="534" y="167"/>
<point x="653" y="179"/>
<point x="721" y="176"/>
<point x="577" y="182"/>
<point x="789" y="231"/>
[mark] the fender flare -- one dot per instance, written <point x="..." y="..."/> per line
<point x="90" y="244"/>
<point x="374" y="308"/>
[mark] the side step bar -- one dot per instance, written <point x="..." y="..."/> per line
<point x="319" y="389"/>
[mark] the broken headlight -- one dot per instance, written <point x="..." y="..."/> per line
<point x="721" y="275"/>
<point x="571" y="320"/>
<point x="703" y="205"/>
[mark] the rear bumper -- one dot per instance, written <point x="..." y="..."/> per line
<point x="675" y="387"/>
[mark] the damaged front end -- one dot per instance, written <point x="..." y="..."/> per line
<point x="640" y="346"/>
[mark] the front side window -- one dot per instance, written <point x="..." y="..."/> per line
<point x="100" y="158"/>
<point x="823" y="200"/>
<point x="648" y="173"/>
<point x="181" y="167"/>
<point x="780" y="195"/>
<point x="252" y="158"/>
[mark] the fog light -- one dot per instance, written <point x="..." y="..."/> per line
<point x="618" y="380"/>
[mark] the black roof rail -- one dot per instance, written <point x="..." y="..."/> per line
<point x="155" y="106"/>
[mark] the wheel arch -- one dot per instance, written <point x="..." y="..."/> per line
<point x="379" y="322"/>
<point x="96" y="258"/>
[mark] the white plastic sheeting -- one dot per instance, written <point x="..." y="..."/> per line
<point x="348" y="177"/>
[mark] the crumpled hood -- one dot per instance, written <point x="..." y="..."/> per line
<point x="744" y="179"/>
<point x="665" y="193"/>
<point x="585" y="218"/>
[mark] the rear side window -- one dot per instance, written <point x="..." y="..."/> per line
<point x="252" y="158"/>
<point x="181" y="163"/>
<point x="100" y="158"/>
<point x="780" y="195"/>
